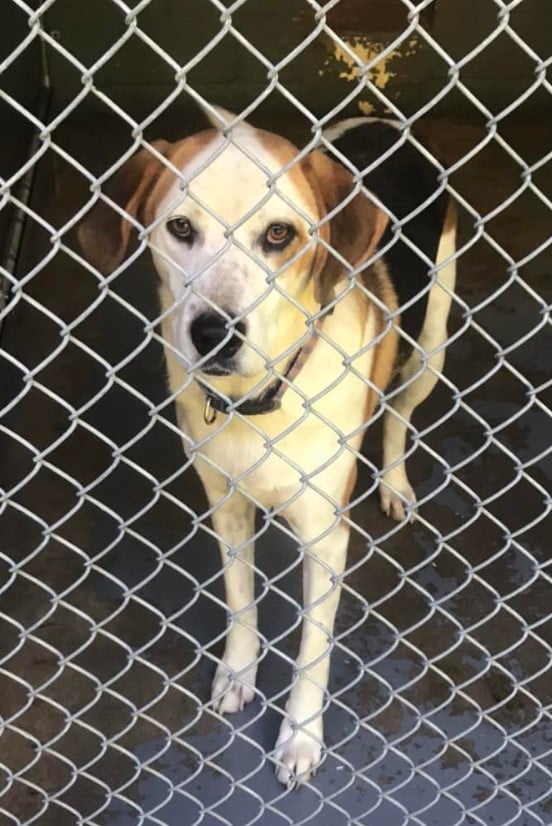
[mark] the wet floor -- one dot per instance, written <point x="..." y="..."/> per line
<point x="112" y="606"/>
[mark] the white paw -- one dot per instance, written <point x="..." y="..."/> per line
<point x="395" y="500"/>
<point x="232" y="688"/>
<point x="297" y="752"/>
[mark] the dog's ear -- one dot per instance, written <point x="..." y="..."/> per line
<point x="104" y="234"/>
<point x="355" y="230"/>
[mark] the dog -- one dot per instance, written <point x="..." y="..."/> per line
<point x="292" y="290"/>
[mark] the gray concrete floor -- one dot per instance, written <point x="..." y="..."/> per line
<point x="440" y="678"/>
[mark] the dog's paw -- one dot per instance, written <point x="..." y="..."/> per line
<point x="398" y="503"/>
<point x="298" y="753"/>
<point x="232" y="689"/>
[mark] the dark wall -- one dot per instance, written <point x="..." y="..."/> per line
<point x="19" y="92"/>
<point x="190" y="33"/>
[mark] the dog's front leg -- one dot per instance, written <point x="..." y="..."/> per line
<point x="300" y="741"/>
<point x="234" y="681"/>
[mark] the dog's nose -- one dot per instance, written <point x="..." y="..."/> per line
<point x="209" y="330"/>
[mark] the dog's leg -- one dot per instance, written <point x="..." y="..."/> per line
<point x="419" y="377"/>
<point x="396" y="492"/>
<point x="300" y="740"/>
<point x="234" y="681"/>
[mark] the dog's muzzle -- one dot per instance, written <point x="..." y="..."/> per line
<point x="213" y="334"/>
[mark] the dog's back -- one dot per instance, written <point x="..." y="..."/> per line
<point x="408" y="185"/>
<point x="418" y="248"/>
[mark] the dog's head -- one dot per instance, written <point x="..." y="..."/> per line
<point x="249" y="238"/>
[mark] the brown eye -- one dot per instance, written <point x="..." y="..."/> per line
<point x="278" y="235"/>
<point x="181" y="228"/>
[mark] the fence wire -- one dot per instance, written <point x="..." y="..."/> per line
<point x="113" y="611"/>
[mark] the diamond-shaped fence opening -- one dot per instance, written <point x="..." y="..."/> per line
<point x="116" y="704"/>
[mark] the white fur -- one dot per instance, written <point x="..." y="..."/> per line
<point x="337" y="130"/>
<point x="217" y="273"/>
<point x="271" y="455"/>
<point x="419" y="376"/>
<point x="298" y="459"/>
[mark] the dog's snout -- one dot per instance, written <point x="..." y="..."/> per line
<point x="209" y="330"/>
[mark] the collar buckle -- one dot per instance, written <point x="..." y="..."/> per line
<point x="271" y="397"/>
<point x="209" y="412"/>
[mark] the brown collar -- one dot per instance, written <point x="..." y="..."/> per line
<point x="271" y="397"/>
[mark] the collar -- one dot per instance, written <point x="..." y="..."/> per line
<point x="271" y="397"/>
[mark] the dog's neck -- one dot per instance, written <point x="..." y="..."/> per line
<point x="269" y="398"/>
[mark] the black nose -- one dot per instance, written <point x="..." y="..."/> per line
<point x="209" y="330"/>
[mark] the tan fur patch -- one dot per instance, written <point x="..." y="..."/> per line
<point x="385" y="352"/>
<point x="356" y="225"/>
<point x="285" y="152"/>
<point x="179" y="155"/>
<point x="104" y="235"/>
<point x="280" y="148"/>
<point x="379" y="284"/>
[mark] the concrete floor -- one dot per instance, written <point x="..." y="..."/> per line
<point x="441" y="677"/>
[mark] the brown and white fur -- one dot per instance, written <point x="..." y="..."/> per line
<point x="298" y="460"/>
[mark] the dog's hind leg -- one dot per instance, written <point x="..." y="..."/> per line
<point x="234" y="523"/>
<point x="419" y="376"/>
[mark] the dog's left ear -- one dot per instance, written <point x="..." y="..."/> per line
<point x="104" y="234"/>
<point x="355" y="230"/>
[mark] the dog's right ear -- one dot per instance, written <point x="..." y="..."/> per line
<point x="354" y="231"/>
<point x="104" y="234"/>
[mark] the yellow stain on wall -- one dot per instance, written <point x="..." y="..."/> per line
<point x="366" y="51"/>
<point x="366" y="108"/>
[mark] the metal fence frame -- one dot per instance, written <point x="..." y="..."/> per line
<point x="17" y="192"/>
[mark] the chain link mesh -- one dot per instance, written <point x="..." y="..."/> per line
<point x="112" y="607"/>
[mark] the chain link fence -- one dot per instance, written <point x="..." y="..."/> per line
<point x="113" y="612"/>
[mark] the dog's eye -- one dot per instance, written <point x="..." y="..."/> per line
<point x="278" y="236"/>
<point x="181" y="228"/>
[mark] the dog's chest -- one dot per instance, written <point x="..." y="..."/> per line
<point x="309" y="440"/>
<point x="273" y="460"/>
<point x="306" y="442"/>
